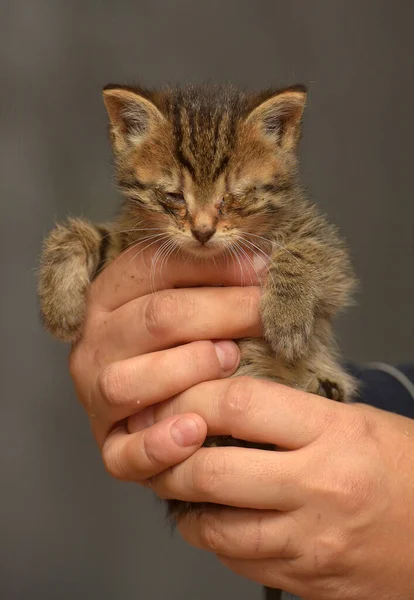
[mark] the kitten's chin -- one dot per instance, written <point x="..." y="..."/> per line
<point x="204" y="251"/>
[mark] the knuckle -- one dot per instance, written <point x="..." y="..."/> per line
<point x="362" y="426"/>
<point x="151" y="452"/>
<point x="358" y="480"/>
<point x="208" y="470"/>
<point x="83" y="378"/>
<point x="356" y="488"/>
<point x="113" y="461"/>
<point x="161" y="313"/>
<point x="157" y="486"/>
<point x="152" y="317"/>
<point x="237" y="400"/>
<point x="350" y="488"/>
<point x="110" y="385"/>
<point x="330" y="553"/>
<point x="211" y="533"/>
<point x="87" y="351"/>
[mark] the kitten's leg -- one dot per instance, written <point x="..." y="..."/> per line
<point x="288" y="306"/>
<point x="71" y="256"/>
<point x="307" y="282"/>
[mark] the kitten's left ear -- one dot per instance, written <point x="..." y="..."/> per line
<point x="279" y="116"/>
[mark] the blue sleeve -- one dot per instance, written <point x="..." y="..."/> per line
<point x="388" y="387"/>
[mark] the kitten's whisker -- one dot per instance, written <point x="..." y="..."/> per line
<point x="257" y="236"/>
<point x="243" y="251"/>
<point x="132" y="230"/>
<point x="272" y="242"/>
<point x="248" y="245"/>
<point x="252" y="247"/>
<point x="154" y="265"/>
<point x="170" y="251"/>
<point x="215" y="263"/>
<point x="142" y="249"/>
<point x="164" y="258"/>
<point x="240" y="265"/>
<point x="130" y="247"/>
<point x="169" y="254"/>
<point x="160" y="259"/>
<point x="144" y="239"/>
<point x="154" y="261"/>
<point x="136" y="244"/>
<point x="241" y="236"/>
<point x="230" y="253"/>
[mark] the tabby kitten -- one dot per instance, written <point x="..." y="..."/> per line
<point x="216" y="170"/>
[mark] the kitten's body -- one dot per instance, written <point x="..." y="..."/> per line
<point x="216" y="170"/>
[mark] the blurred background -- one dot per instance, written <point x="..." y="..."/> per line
<point x="67" y="531"/>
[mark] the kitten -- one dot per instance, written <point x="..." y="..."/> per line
<point x="216" y="169"/>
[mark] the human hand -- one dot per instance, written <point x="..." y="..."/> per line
<point x="139" y="348"/>
<point x="329" y="518"/>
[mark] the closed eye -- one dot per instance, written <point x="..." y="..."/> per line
<point x="174" y="200"/>
<point x="174" y="204"/>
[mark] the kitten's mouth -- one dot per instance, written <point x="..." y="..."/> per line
<point x="204" y="250"/>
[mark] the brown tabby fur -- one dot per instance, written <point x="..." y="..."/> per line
<point x="213" y="162"/>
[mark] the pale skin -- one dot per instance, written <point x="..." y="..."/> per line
<point x="329" y="518"/>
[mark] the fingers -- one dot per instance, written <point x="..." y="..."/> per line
<point x="246" y="534"/>
<point x="179" y="316"/>
<point x="133" y="275"/>
<point x="239" y="477"/>
<point x="140" y="456"/>
<point x="256" y="410"/>
<point x="129" y="386"/>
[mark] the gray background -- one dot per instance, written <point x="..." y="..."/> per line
<point x="66" y="529"/>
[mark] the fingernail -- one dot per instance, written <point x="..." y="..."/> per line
<point x="185" y="432"/>
<point x="261" y="262"/>
<point x="227" y="353"/>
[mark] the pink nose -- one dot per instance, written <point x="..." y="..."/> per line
<point x="203" y="234"/>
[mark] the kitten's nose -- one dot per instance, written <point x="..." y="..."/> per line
<point x="203" y="234"/>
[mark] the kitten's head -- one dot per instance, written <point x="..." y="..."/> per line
<point x="211" y="166"/>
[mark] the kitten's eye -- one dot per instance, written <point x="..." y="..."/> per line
<point x="175" y="199"/>
<point x="224" y="204"/>
<point x="174" y="202"/>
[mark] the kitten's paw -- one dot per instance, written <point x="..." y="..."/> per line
<point x="69" y="259"/>
<point x="331" y="390"/>
<point x="288" y="324"/>
<point x="338" y="385"/>
<point x="288" y="330"/>
<point x="289" y="343"/>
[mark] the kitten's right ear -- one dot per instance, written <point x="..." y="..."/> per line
<point x="131" y="115"/>
<point x="278" y="115"/>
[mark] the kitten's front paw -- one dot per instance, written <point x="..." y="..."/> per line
<point x="288" y="330"/>
<point x="69" y="258"/>
<point x="289" y="343"/>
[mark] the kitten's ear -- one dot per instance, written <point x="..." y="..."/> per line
<point x="279" y="116"/>
<point x="131" y="115"/>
